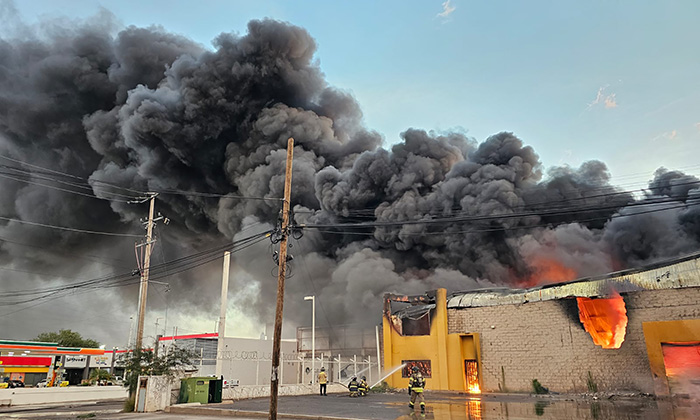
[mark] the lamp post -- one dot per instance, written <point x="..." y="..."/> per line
<point x="313" y="336"/>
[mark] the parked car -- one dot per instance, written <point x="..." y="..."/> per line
<point x="14" y="383"/>
<point x="42" y="383"/>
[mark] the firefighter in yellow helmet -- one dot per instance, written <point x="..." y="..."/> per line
<point x="362" y="388"/>
<point x="416" y="383"/>
<point x="353" y="387"/>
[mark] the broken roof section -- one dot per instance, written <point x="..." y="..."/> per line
<point x="671" y="274"/>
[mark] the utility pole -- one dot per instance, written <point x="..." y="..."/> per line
<point x="222" y="316"/>
<point x="275" y="377"/>
<point x="143" y="290"/>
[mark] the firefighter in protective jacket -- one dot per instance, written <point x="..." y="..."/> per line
<point x="415" y="389"/>
<point x="362" y="388"/>
<point x="353" y="387"/>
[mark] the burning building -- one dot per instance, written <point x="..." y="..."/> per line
<point x="633" y="330"/>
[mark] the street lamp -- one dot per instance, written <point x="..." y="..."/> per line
<point x="313" y="336"/>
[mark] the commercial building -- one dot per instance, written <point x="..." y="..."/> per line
<point x="245" y="361"/>
<point x="634" y="330"/>
<point x="32" y="361"/>
<point x="344" y="351"/>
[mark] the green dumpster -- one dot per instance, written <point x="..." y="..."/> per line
<point x="194" y="390"/>
<point x="215" y="388"/>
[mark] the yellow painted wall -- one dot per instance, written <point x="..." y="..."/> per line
<point x="659" y="332"/>
<point x="25" y="369"/>
<point x="446" y="352"/>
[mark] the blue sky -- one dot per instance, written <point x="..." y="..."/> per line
<point x="609" y="80"/>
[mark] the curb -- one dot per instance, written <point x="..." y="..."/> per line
<point x="46" y="406"/>
<point x="18" y="415"/>
<point x="221" y="412"/>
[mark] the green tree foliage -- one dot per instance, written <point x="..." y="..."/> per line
<point x="100" y="375"/>
<point x="145" y="362"/>
<point x="67" y="338"/>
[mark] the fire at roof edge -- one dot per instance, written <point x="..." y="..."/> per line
<point x="670" y="274"/>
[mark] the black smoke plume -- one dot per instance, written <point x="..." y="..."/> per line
<point x="151" y="111"/>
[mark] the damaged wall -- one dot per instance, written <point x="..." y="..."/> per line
<point x="541" y="340"/>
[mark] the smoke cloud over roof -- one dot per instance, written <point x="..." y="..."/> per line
<point x="153" y="111"/>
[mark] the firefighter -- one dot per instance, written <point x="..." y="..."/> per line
<point x="415" y="389"/>
<point x="323" y="380"/>
<point x="353" y="387"/>
<point x="362" y="388"/>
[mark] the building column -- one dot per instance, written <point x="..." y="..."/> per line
<point x="86" y="371"/>
<point x="388" y="348"/>
<point x="441" y="339"/>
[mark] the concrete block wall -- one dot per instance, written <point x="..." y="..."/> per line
<point x="259" y="391"/>
<point x="546" y="341"/>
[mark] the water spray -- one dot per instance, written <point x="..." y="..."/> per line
<point x="388" y="374"/>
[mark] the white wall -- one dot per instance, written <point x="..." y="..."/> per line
<point x="244" y="359"/>
<point x="29" y="396"/>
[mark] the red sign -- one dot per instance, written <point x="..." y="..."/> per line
<point x="24" y="361"/>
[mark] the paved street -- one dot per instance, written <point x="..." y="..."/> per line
<point x="394" y="407"/>
<point x="48" y="412"/>
<point x="442" y="406"/>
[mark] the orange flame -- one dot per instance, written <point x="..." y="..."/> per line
<point x="474" y="389"/>
<point x="604" y="319"/>
<point x="547" y="271"/>
<point x="472" y="377"/>
<point x="474" y="410"/>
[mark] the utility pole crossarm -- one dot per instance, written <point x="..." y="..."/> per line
<point x="276" y="344"/>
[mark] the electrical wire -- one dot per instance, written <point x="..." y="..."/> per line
<point x="370" y="213"/>
<point x="492" y="217"/>
<point x="82" y="185"/>
<point x="62" y="189"/>
<point x="507" y="228"/>
<point x="91" y="232"/>
<point x="313" y="287"/>
<point x="156" y="272"/>
<point x="85" y="183"/>
<point x="87" y="257"/>
<point x="215" y="195"/>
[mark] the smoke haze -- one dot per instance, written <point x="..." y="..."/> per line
<point x="150" y="111"/>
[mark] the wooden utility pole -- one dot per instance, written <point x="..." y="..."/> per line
<point x="143" y="290"/>
<point x="275" y="377"/>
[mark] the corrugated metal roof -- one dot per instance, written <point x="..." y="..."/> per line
<point x="672" y="274"/>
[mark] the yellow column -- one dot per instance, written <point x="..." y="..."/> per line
<point x="387" y="331"/>
<point x="440" y="323"/>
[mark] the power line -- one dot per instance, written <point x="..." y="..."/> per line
<point x="370" y="212"/>
<point x="92" y="232"/>
<point x="492" y="217"/>
<point x="52" y="171"/>
<point x="158" y="271"/>
<point x="82" y="185"/>
<point x="507" y="228"/>
<point x="87" y="257"/>
<point x="141" y="193"/>
<point x="214" y="195"/>
<point x="62" y="189"/>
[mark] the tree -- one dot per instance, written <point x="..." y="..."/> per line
<point x="98" y="375"/>
<point x="67" y="338"/>
<point x="146" y="362"/>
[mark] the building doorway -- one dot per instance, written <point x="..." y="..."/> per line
<point x="682" y="363"/>
<point x="471" y="374"/>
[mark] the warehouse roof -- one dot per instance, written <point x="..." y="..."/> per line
<point x="670" y="274"/>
